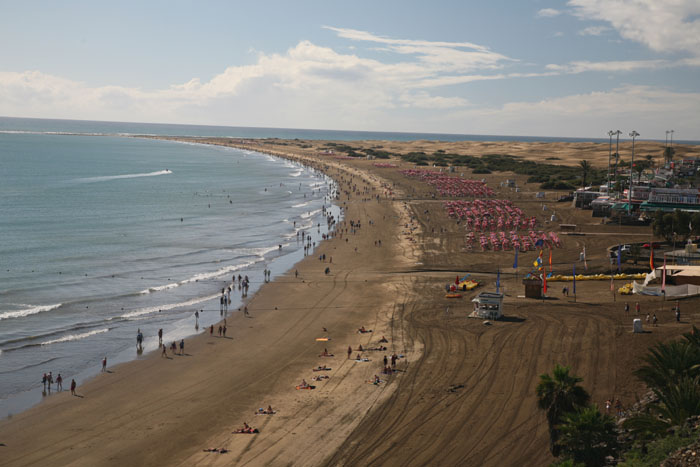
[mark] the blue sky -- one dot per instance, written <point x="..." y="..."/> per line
<point x="546" y="68"/>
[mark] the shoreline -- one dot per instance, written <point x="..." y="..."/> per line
<point x="263" y="306"/>
<point x="17" y="403"/>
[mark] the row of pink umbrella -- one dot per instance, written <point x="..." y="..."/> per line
<point x="448" y="186"/>
<point x="490" y="214"/>
<point x="511" y="240"/>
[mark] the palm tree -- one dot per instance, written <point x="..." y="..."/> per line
<point x="588" y="437"/>
<point x="557" y="395"/>
<point x="585" y="168"/>
<point x="667" y="363"/>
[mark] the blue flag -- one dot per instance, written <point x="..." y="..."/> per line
<point x="515" y="264"/>
<point x="574" y="279"/>
<point x="619" y="255"/>
<point x="498" y="279"/>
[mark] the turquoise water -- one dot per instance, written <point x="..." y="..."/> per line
<point x="105" y="235"/>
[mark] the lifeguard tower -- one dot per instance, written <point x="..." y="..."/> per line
<point x="488" y="305"/>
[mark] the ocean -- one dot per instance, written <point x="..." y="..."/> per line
<point x="102" y="236"/>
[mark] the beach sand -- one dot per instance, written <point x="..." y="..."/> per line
<point x="464" y="394"/>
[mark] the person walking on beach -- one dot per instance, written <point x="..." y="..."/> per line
<point x="104" y="364"/>
<point x="164" y="353"/>
<point x="220" y="329"/>
<point x="50" y="381"/>
<point x="160" y="336"/>
<point x="44" y="380"/>
<point x="211" y="330"/>
<point x="224" y="330"/>
<point x="654" y="320"/>
<point x="59" y="383"/>
<point x="637" y="308"/>
<point x="182" y="346"/>
<point x="245" y="311"/>
<point x="349" y="352"/>
<point x="627" y="308"/>
<point x="72" y="387"/>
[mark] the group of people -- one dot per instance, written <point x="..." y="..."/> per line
<point x="652" y="318"/>
<point x="47" y="381"/>
<point x="173" y="348"/>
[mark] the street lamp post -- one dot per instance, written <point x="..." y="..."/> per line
<point x="633" y="134"/>
<point x="610" y="134"/>
<point x="617" y="146"/>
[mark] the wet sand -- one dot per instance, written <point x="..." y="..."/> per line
<point x="464" y="394"/>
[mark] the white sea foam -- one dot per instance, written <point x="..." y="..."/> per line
<point x="75" y="337"/>
<point x="158" y="288"/>
<point x="211" y="275"/>
<point x="32" y="310"/>
<point x="301" y="205"/>
<point x="168" y="306"/>
<point x="118" y="177"/>
<point x="310" y="214"/>
<point x="297" y="173"/>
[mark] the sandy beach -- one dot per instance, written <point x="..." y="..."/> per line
<point x="463" y="393"/>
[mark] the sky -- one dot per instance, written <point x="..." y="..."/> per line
<point x="575" y="68"/>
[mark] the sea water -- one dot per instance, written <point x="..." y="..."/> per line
<point x="101" y="236"/>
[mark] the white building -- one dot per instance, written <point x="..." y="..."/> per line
<point x="488" y="305"/>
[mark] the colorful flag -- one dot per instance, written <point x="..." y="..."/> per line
<point x="498" y="279"/>
<point x="663" y="280"/>
<point x="619" y="255"/>
<point x="651" y="256"/>
<point x="574" y="287"/>
<point x="515" y="263"/>
<point x="538" y="263"/>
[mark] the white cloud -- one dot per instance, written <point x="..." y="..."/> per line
<point x="663" y="26"/>
<point x="548" y="13"/>
<point x="436" y="55"/>
<point x="423" y="100"/>
<point x="610" y="66"/>
<point x="593" y="31"/>
<point x="641" y="107"/>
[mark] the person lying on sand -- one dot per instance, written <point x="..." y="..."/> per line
<point x="246" y="429"/>
<point x="360" y="359"/>
<point x="380" y="348"/>
<point x="219" y="450"/>
<point x="320" y="377"/>
<point x="383" y="340"/>
<point x="267" y="411"/>
<point x="305" y="385"/>
<point x="363" y="330"/>
<point x="322" y="368"/>
<point x="325" y="353"/>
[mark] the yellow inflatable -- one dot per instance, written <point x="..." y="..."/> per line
<point x="626" y="289"/>
<point x="595" y="277"/>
